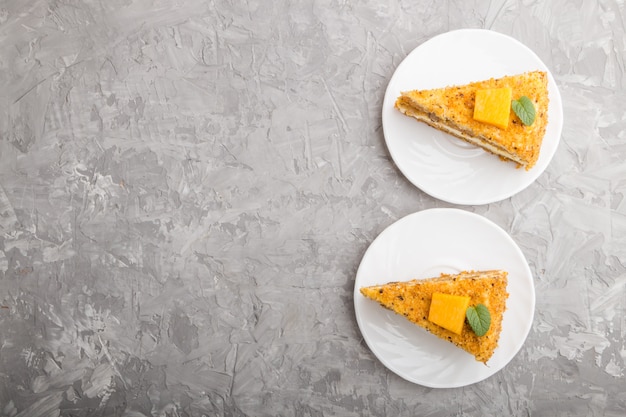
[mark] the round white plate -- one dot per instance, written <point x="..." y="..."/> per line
<point x="439" y="164"/>
<point x="423" y="245"/>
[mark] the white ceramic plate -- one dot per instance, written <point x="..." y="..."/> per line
<point x="425" y="244"/>
<point x="439" y="164"/>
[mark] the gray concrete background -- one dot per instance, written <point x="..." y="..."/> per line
<point x="187" y="189"/>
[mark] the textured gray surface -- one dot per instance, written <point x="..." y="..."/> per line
<point x="187" y="189"/>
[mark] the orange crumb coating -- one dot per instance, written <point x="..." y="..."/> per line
<point x="412" y="300"/>
<point x="454" y="106"/>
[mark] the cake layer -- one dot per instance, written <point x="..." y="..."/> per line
<point x="451" y="110"/>
<point x="412" y="299"/>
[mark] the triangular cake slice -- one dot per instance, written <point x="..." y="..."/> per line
<point x="412" y="299"/>
<point x="451" y="110"/>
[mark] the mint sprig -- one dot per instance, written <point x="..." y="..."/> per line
<point x="524" y="109"/>
<point x="479" y="319"/>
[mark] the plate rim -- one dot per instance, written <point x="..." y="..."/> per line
<point x="528" y="277"/>
<point x="555" y="107"/>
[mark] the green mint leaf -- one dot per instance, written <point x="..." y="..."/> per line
<point x="525" y="110"/>
<point x="478" y="318"/>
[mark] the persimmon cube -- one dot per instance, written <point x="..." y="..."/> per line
<point x="493" y="106"/>
<point x="448" y="311"/>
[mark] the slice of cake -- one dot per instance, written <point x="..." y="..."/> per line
<point x="480" y="113"/>
<point x="443" y="300"/>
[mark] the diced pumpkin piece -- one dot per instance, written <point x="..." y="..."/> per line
<point x="448" y="311"/>
<point x="493" y="106"/>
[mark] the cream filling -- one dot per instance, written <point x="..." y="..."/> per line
<point x="474" y="140"/>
